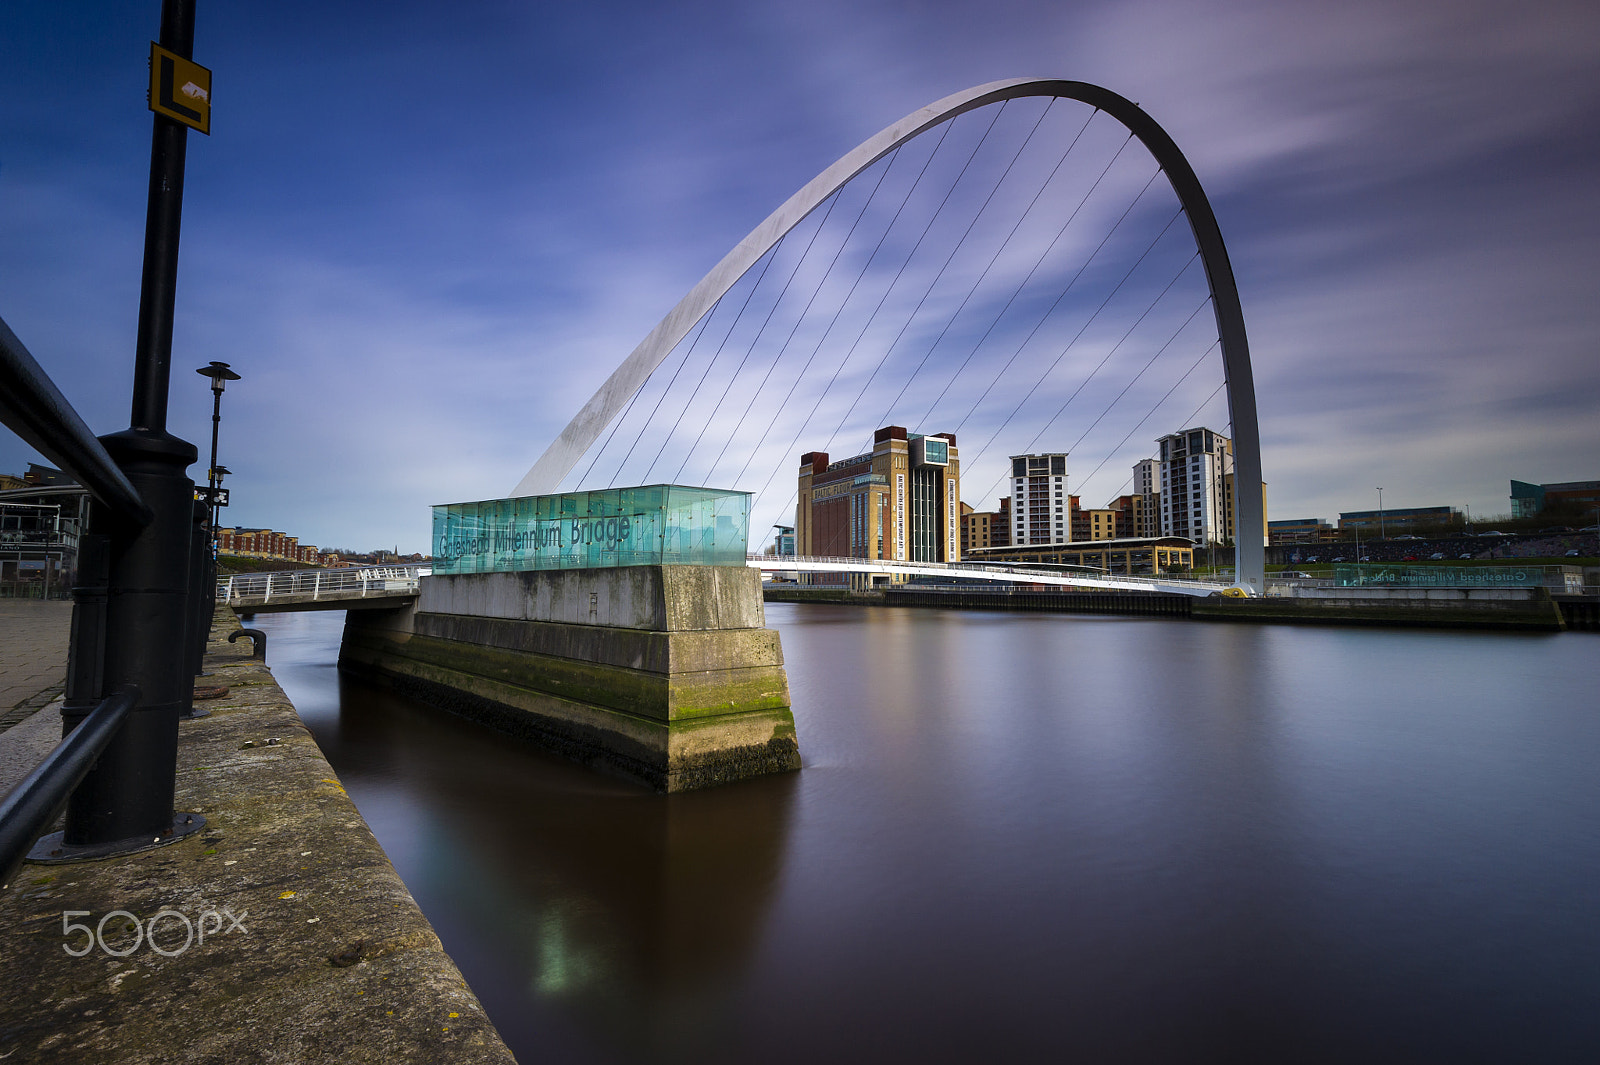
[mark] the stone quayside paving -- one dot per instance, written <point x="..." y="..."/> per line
<point x="331" y="959"/>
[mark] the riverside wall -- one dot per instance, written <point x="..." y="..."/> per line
<point x="1531" y="610"/>
<point x="316" y="951"/>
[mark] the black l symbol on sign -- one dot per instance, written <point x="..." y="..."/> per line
<point x="169" y="75"/>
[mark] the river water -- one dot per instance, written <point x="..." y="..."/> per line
<point x="1030" y="837"/>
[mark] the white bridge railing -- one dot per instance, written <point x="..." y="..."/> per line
<point x="364" y="582"/>
<point x="994" y="572"/>
<point x="354" y="582"/>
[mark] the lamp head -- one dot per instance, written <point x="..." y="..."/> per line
<point x="219" y="373"/>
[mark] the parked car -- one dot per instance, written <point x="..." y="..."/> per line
<point x="1409" y="558"/>
<point x="1313" y="558"/>
<point x="1466" y="554"/>
<point x="1437" y="555"/>
<point x="1338" y="558"/>
<point x="1366" y="558"/>
<point x="1573" y="553"/>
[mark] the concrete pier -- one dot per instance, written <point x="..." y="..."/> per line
<point x="663" y="673"/>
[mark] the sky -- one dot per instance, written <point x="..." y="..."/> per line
<point x="425" y="233"/>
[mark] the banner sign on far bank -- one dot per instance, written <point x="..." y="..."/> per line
<point x="1439" y="576"/>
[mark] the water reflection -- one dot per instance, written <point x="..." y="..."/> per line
<point x="628" y="913"/>
<point x="1031" y="836"/>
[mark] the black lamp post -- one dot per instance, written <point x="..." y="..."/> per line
<point x="134" y="600"/>
<point x="204" y="569"/>
<point x="220" y="375"/>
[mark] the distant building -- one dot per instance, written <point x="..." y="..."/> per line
<point x="270" y="544"/>
<point x="1093" y="524"/>
<point x="1146" y="510"/>
<point x="1300" y="531"/>
<point x="1039" y="509"/>
<point x="43" y="515"/>
<point x="1530" y="499"/>
<point x="1132" y="556"/>
<point x="1196" y="468"/>
<point x="985" y="528"/>
<point x="899" y="501"/>
<point x="783" y="543"/>
<point x="1398" y="518"/>
<point x="1130" y="515"/>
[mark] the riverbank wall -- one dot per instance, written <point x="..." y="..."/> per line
<point x="666" y="675"/>
<point x="1530" y="610"/>
<point x="279" y="933"/>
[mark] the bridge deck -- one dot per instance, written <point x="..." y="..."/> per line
<point x="385" y="587"/>
<point x="352" y="588"/>
<point x="984" y="572"/>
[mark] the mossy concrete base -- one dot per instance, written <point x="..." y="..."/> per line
<point x="674" y="682"/>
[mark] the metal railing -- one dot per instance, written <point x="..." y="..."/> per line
<point x="354" y="582"/>
<point x="32" y="407"/>
<point x="29" y="808"/>
<point x="134" y="619"/>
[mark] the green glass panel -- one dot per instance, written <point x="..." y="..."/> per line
<point x="651" y="525"/>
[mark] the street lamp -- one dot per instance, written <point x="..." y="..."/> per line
<point x="203" y="564"/>
<point x="220" y="375"/>
<point x="218" y="472"/>
<point x="1381" y="534"/>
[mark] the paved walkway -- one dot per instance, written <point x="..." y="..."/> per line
<point x="33" y="654"/>
<point x="33" y="669"/>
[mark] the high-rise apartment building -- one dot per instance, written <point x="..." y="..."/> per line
<point x="901" y="500"/>
<point x="1145" y="510"/>
<point x="1196" y="469"/>
<point x="1040" y="510"/>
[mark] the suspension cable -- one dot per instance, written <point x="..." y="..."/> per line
<point x="829" y="330"/>
<point x="1084" y="328"/>
<point x="1021" y="347"/>
<point x="826" y="274"/>
<point x="946" y="265"/>
<point x="688" y="402"/>
<point x="832" y="200"/>
<point x="1117" y="346"/>
<point x="705" y="323"/>
<point x="1163" y="399"/>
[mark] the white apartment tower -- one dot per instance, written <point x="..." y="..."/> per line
<point x="1147" y="486"/>
<point x="1040" y="510"/>
<point x="1196" y="468"/>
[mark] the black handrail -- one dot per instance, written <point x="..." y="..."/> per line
<point x="29" y="808"/>
<point x="33" y="408"/>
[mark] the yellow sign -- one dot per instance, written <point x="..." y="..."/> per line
<point x="180" y="89"/>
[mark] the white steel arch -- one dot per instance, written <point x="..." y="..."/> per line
<point x="1249" y="507"/>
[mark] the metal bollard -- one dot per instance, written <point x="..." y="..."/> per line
<point x="258" y="640"/>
